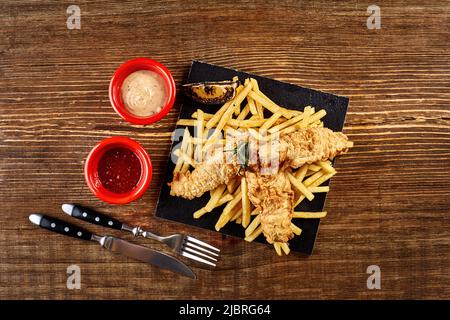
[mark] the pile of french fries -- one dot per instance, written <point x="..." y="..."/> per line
<point x="306" y="181"/>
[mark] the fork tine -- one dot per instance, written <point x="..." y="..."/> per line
<point x="191" y="256"/>
<point x="190" y="244"/>
<point x="199" y="253"/>
<point x="202" y="243"/>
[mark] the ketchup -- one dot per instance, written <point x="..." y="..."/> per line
<point x="119" y="170"/>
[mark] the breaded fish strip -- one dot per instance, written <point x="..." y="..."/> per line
<point x="291" y="150"/>
<point x="305" y="146"/>
<point x="311" y="145"/>
<point x="273" y="196"/>
<point x="205" y="177"/>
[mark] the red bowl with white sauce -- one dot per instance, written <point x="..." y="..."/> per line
<point x="142" y="91"/>
<point x="118" y="170"/>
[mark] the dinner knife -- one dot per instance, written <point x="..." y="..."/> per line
<point x="184" y="245"/>
<point x="114" y="244"/>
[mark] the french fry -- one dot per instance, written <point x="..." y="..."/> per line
<point x="295" y="112"/>
<point x="227" y="213"/>
<point x="315" y="124"/>
<point x="237" y="192"/>
<point x="237" y="213"/>
<point x="186" y="122"/>
<point x="246" y="123"/>
<point x="310" y="173"/>
<point x="289" y="129"/>
<point x="259" y="108"/>
<point x="315" y="183"/>
<point x="244" y="112"/>
<point x="237" y="106"/>
<point x="206" y="116"/>
<point x="224" y="115"/>
<point x="238" y="220"/>
<point x="215" y="197"/>
<point x="306" y="113"/>
<point x="236" y="101"/>
<point x="250" y="101"/>
<point x="186" y="158"/>
<point x="253" y="225"/>
<point x="326" y="166"/>
<point x="254" y="234"/>
<point x="319" y="189"/>
<point x="309" y="215"/>
<point x="313" y="178"/>
<point x="287" y="113"/>
<point x="231" y="185"/>
<point x="223" y="220"/>
<point x="245" y="203"/>
<point x="231" y="132"/>
<point x="300" y="187"/>
<point x="255" y="121"/>
<point x="297" y="231"/>
<point x="287" y="123"/>
<point x="252" y="106"/>
<point x="211" y="141"/>
<point x="269" y="122"/>
<point x="258" y="136"/>
<point x="216" y="117"/>
<point x="285" y="248"/>
<point x="269" y="104"/>
<point x="314" y="167"/>
<point x="196" y="140"/>
<point x="189" y="153"/>
<point x="255" y="212"/>
<point x="224" y="199"/>
<point x="183" y="148"/>
<point x="237" y="110"/>
<point x="277" y="247"/>
<point x="317" y="116"/>
<point x="321" y="179"/>
<point x="300" y="173"/>
<point x="199" y="213"/>
<point x="199" y="126"/>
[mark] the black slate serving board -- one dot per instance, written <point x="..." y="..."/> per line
<point x="284" y="94"/>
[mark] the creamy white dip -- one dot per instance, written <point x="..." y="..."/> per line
<point x="144" y="93"/>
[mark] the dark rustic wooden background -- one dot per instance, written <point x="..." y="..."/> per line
<point x="389" y="203"/>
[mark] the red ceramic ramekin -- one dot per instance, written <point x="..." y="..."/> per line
<point x="115" y="95"/>
<point x="92" y="177"/>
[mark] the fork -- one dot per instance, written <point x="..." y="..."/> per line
<point x="184" y="245"/>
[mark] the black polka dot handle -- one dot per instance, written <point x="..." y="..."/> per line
<point x="60" y="226"/>
<point x="91" y="216"/>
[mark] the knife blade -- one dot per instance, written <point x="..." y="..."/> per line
<point x="144" y="254"/>
<point x="114" y="244"/>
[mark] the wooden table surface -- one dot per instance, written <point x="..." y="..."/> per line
<point x="388" y="205"/>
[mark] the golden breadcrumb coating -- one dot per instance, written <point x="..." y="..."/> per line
<point x="273" y="196"/>
<point x="311" y="145"/>
<point x="205" y="177"/>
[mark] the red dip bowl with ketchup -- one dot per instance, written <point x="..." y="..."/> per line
<point x="118" y="170"/>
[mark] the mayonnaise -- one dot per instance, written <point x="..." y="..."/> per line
<point x="144" y="93"/>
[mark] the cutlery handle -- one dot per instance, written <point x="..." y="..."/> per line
<point x="60" y="226"/>
<point x="91" y="216"/>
